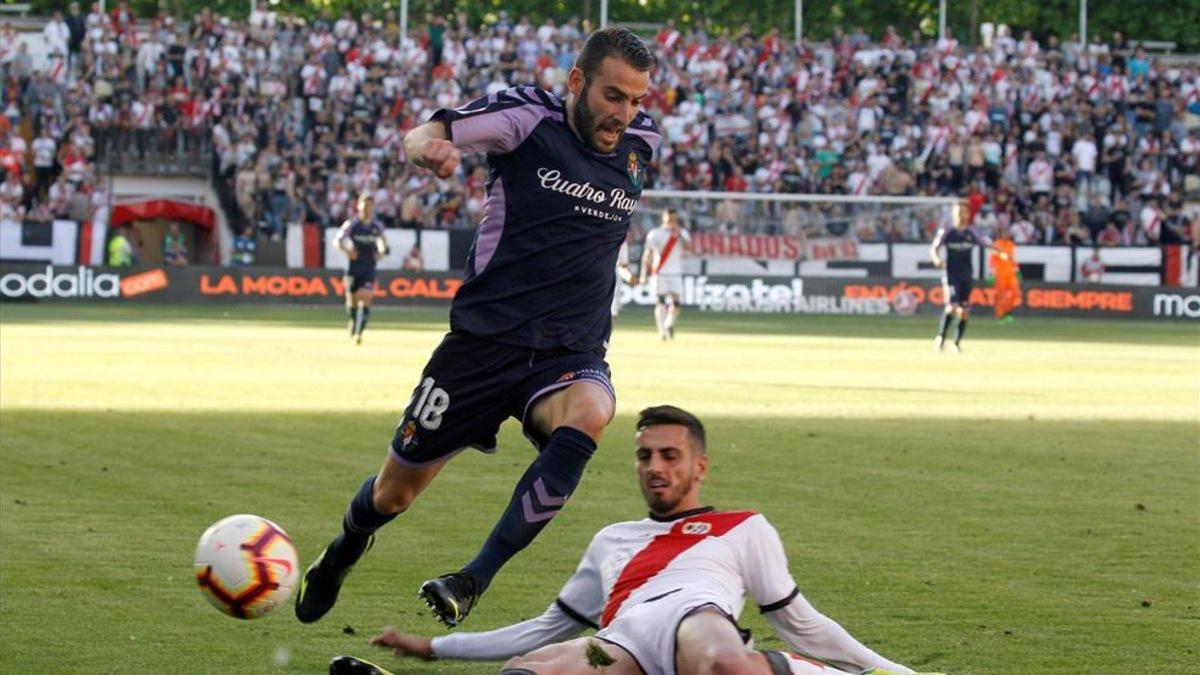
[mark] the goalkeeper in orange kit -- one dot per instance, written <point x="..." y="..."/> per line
<point x="1006" y="284"/>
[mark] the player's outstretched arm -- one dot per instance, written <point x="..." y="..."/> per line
<point x="935" y="253"/>
<point x="554" y="625"/>
<point x="344" y="241"/>
<point x="1001" y="253"/>
<point x="428" y="147"/>
<point x="577" y="606"/>
<point x="644" y="268"/>
<point x="404" y="644"/>
<point x="795" y="621"/>
<point x="381" y="244"/>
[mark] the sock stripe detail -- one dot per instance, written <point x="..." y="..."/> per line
<point x="544" y="497"/>
<point x="532" y="516"/>
<point x="354" y="527"/>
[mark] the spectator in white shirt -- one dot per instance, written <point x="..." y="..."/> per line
<point x="56" y="34"/>
<point x="1041" y="175"/>
<point x="45" y="148"/>
<point x="1085" y="153"/>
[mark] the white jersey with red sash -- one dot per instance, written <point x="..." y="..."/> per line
<point x="638" y="579"/>
<point x="667" y="259"/>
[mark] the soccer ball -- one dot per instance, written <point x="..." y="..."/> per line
<point x="246" y="566"/>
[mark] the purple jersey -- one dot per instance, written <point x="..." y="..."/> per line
<point x="960" y="246"/>
<point x="365" y="238"/>
<point x="542" y="269"/>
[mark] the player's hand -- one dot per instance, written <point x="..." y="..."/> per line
<point x="352" y="254"/>
<point x="939" y="264"/>
<point x="441" y="157"/>
<point x="403" y="644"/>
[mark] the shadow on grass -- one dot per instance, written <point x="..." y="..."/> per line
<point x="640" y="320"/>
<point x="966" y="525"/>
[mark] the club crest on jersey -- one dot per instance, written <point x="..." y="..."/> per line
<point x="406" y="434"/>
<point x="699" y="527"/>
<point x="635" y="170"/>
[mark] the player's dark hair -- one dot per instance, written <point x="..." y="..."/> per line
<point x="615" y="41"/>
<point x="669" y="414"/>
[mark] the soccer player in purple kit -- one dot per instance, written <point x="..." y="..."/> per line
<point x="364" y="241"/>
<point x="530" y="324"/>
<point x="959" y="240"/>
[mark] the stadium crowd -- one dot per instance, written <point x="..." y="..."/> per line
<point x="1055" y="143"/>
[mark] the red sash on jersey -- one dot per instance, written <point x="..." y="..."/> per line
<point x="663" y="549"/>
<point x="862" y="185"/>
<point x="662" y="260"/>
<point x="1153" y="227"/>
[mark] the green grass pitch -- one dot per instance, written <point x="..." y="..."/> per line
<point x="1029" y="506"/>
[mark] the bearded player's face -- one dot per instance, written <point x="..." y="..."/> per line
<point x="670" y="468"/>
<point x="607" y="102"/>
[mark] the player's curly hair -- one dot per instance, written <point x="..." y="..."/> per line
<point x="669" y="414"/>
<point x="613" y="41"/>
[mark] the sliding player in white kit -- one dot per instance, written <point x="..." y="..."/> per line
<point x="665" y="592"/>
<point x="662" y="264"/>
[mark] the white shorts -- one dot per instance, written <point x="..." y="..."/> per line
<point x="662" y="284"/>
<point x="647" y="630"/>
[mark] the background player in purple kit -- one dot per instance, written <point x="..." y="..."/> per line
<point x="530" y="324"/>
<point x="363" y="240"/>
<point x="958" y="273"/>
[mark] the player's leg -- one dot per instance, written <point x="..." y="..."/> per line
<point x="583" y="655"/>
<point x="452" y="408"/>
<point x="573" y="419"/>
<point x="1006" y="298"/>
<point x="707" y="643"/>
<point x="672" y="313"/>
<point x="947" y="314"/>
<point x="963" y="312"/>
<point x="660" y="317"/>
<point x="943" y="325"/>
<point x="377" y="502"/>
<point x="564" y="403"/>
<point x="962" y="295"/>
<point x="350" y="307"/>
<point x="660" y="306"/>
<point x="362" y="310"/>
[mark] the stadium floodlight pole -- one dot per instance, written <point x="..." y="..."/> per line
<point x="1082" y="25"/>
<point x="799" y="21"/>
<point x="403" y="22"/>
<point x="941" y="19"/>
<point x="603" y="14"/>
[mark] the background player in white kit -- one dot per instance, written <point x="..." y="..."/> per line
<point x="665" y="592"/>
<point x="662" y="264"/>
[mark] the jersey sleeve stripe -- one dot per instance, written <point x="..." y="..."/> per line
<point x="576" y="616"/>
<point x="780" y="604"/>
<point x="652" y="138"/>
